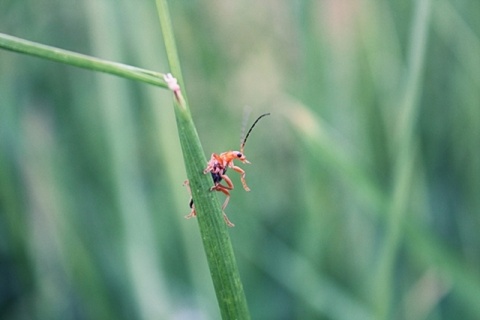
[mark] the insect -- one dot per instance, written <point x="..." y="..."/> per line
<point x="218" y="165"/>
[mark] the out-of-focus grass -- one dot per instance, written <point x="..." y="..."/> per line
<point x="91" y="202"/>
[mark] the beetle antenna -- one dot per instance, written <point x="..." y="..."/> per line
<point x="242" y="145"/>
<point x="246" y="115"/>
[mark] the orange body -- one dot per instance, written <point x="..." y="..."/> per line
<point x="218" y="165"/>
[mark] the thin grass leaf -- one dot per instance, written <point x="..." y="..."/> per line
<point x="216" y="241"/>
<point x="404" y="167"/>
<point x="80" y="60"/>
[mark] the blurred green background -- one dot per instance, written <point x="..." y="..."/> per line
<point x="365" y="200"/>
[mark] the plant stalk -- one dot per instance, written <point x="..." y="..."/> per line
<point x="216" y="241"/>
<point x="31" y="48"/>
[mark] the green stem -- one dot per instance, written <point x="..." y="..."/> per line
<point x="80" y="60"/>
<point x="216" y="241"/>
<point x="404" y="168"/>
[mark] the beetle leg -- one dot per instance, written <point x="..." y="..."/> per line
<point x="192" y="213"/>
<point x="242" y="177"/>
<point x="215" y="160"/>
<point x="228" y="181"/>
<point x="226" y="191"/>
<point x="210" y="164"/>
<point x="228" y="222"/>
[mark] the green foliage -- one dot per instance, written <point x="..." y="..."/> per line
<point x="364" y="179"/>
<point x="218" y="247"/>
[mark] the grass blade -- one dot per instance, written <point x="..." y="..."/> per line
<point x="80" y="60"/>
<point x="216" y="241"/>
<point x="404" y="167"/>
